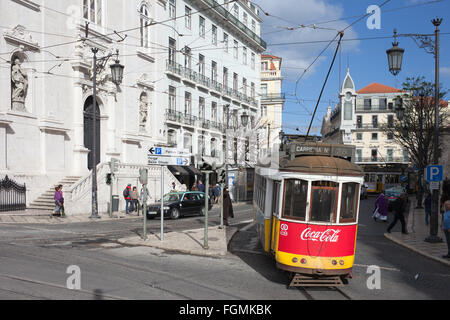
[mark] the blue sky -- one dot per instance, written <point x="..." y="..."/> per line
<point x="366" y="59"/>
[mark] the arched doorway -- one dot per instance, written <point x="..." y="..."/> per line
<point x="88" y="130"/>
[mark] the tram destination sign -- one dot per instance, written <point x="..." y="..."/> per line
<point x="322" y="149"/>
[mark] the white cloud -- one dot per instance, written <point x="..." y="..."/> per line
<point x="445" y="71"/>
<point x="292" y="13"/>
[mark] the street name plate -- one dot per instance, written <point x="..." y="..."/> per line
<point x="434" y="186"/>
<point x="169" y="161"/>
<point x="169" y="152"/>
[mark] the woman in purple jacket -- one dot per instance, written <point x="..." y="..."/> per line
<point x="59" y="200"/>
<point x="381" y="208"/>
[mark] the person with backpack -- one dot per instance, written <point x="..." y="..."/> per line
<point x="128" y="201"/>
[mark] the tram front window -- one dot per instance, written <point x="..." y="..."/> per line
<point x="349" y="202"/>
<point x="295" y="195"/>
<point x="323" y="201"/>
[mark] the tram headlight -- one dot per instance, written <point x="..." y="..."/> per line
<point x="303" y="261"/>
<point x="294" y="260"/>
<point x="334" y="262"/>
<point x="341" y="262"/>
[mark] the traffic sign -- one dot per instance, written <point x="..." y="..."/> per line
<point x="168" y="152"/>
<point x="434" y="185"/>
<point x="168" y="161"/>
<point x="434" y="173"/>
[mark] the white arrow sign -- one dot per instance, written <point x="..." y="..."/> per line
<point x="168" y="152"/>
<point x="169" y="161"/>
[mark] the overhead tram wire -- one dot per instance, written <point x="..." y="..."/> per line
<point x="132" y="29"/>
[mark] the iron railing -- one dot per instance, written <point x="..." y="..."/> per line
<point x="13" y="196"/>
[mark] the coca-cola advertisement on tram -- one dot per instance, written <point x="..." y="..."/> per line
<point x="317" y="240"/>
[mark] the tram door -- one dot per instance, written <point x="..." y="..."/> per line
<point x="274" y="214"/>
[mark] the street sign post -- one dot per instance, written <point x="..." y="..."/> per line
<point x="435" y="173"/>
<point x="168" y="161"/>
<point x="160" y="156"/>
<point x="168" y="152"/>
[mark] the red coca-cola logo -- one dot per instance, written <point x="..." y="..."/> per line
<point x="329" y="235"/>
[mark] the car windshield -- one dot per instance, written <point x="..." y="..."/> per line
<point x="171" y="197"/>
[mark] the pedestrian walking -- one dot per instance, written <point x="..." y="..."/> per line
<point x="231" y="193"/>
<point x="200" y="186"/>
<point x="127" y="197"/>
<point x="135" y="199"/>
<point x="217" y="193"/>
<point x="59" y="201"/>
<point x="427" y="207"/>
<point x="381" y="208"/>
<point x="227" y="206"/>
<point x="399" y="207"/>
<point x="446" y="226"/>
<point x="174" y="187"/>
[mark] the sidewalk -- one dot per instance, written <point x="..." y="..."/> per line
<point x="418" y="231"/>
<point x="189" y="241"/>
<point x="43" y="217"/>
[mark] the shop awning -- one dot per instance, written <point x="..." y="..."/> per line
<point x="178" y="170"/>
<point x="193" y="171"/>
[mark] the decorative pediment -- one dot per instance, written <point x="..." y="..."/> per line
<point x="21" y="37"/>
<point x="145" y="83"/>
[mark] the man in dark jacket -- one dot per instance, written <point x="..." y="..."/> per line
<point x="399" y="207"/>
<point x="127" y="197"/>
<point x="227" y="206"/>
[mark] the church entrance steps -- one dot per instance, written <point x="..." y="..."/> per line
<point x="46" y="200"/>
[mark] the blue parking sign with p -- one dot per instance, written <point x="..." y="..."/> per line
<point x="435" y="173"/>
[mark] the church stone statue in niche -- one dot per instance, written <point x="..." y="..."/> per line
<point x="19" y="86"/>
<point x="143" y="111"/>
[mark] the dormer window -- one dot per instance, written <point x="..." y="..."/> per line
<point x="93" y="11"/>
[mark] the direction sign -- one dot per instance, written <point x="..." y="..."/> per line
<point x="435" y="173"/>
<point x="168" y="161"/>
<point x="168" y="152"/>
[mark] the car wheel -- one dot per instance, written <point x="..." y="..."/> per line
<point x="175" y="214"/>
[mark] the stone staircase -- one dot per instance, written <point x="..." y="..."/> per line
<point x="46" y="200"/>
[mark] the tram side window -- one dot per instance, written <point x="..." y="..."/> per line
<point x="323" y="201"/>
<point x="295" y="196"/>
<point x="349" y="202"/>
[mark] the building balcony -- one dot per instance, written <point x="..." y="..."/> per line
<point x="270" y="74"/>
<point x="374" y="108"/>
<point x="273" y="96"/>
<point x="228" y="17"/>
<point x="382" y="160"/>
<point x="187" y="74"/>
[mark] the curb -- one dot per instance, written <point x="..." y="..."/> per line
<point x="199" y="252"/>
<point x="393" y="239"/>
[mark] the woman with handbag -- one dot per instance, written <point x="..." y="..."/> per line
<point x="381" y="208"/>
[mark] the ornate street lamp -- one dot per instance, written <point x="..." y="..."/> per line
<point x="117" y="76"/>
<point x="117" y="71"/>
<point x="395" y="56"/>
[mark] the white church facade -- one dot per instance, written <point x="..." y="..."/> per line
<point x="46" y="87"/>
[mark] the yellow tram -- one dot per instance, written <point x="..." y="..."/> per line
<point x="306" y="210"/>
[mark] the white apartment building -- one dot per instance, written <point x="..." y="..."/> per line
<point x="174" y="89"/>
<point x="358" y="120"/>
<point x="212" y="74"/>
<point x="272" y="102"/>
